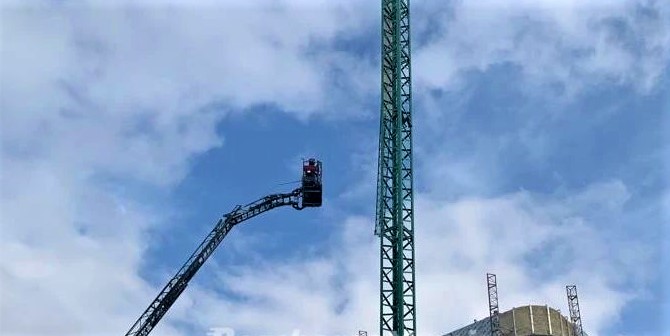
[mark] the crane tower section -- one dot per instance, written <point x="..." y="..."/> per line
<point x="395" y="205"/>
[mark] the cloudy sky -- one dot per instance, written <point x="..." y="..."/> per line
<point x="128" y="127"/>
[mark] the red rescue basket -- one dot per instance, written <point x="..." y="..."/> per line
<point x="311" y="183"/>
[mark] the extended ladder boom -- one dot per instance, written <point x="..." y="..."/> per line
<point x="169" y="294"/>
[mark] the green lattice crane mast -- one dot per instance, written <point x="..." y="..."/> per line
<point x="395" y="205"/>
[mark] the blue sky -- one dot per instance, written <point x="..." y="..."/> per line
<point x="129" y="128"/>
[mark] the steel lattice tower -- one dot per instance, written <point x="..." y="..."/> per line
<point x="395" y="204"/>
<point x="494" y="317"/>
<point x="573" y="305"/>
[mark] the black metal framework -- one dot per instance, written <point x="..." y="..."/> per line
<point x="494" y="310"/>
<point x="309" y="195"/>
<point x="575" y="314"/>
<point x="395" y="204"/>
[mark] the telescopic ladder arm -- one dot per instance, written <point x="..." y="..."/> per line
<point x="170" y="293"/>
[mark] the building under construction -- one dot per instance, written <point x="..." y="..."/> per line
<point x="530" y="320"/>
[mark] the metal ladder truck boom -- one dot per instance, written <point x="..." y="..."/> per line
<point x="309" y="194"/>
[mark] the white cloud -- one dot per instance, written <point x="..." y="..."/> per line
<point x="98" y="100"/>
<point x="70" y="252"/>
<point x="569" y="43"/>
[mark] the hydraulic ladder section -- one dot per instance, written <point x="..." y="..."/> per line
<point x="395" y="205"/>
<point x="170" y="293"/>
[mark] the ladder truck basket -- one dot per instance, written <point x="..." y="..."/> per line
<point x="311" y="183"/>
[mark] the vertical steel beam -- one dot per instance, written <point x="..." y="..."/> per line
<point x="549" y="319"/>
<point x="532" y="322"/>
<point x="494" y="310"/>
<point x="575" y="314"/>
<point x="395" y="200"/>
